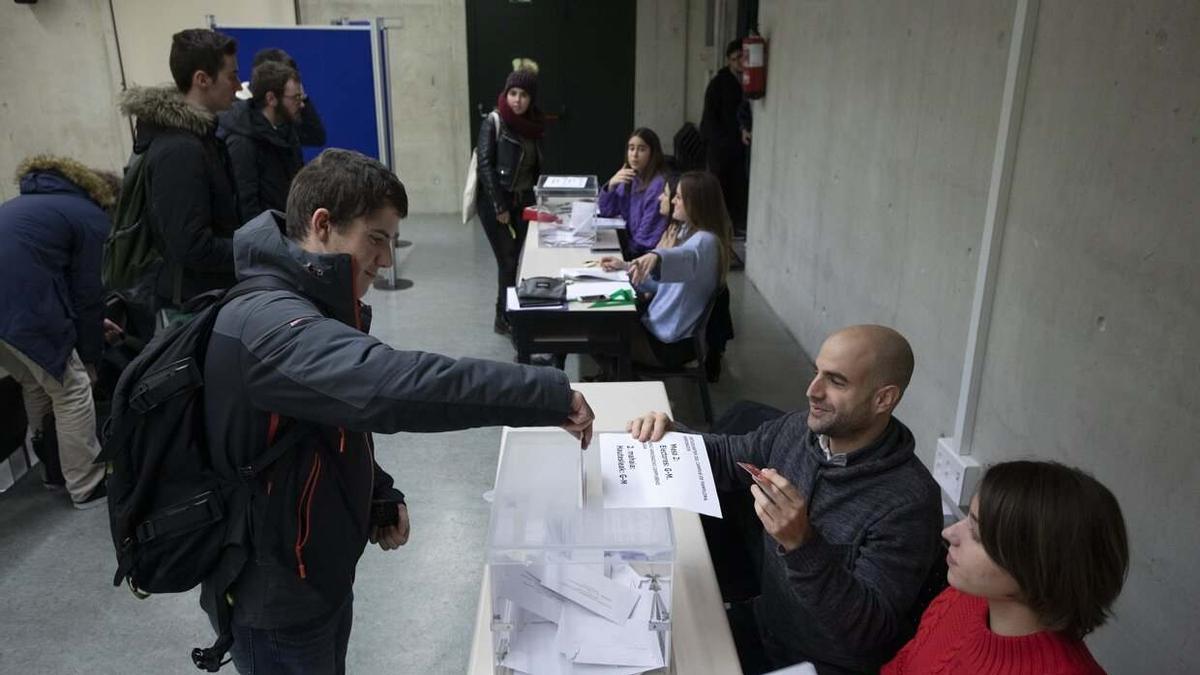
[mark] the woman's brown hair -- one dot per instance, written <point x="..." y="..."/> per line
<point x="705" y="206"/>
<point x="1061" y="536"/>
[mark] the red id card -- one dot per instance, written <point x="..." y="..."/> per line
<point x="749" y="468"/>
<point x="756" y="475"/>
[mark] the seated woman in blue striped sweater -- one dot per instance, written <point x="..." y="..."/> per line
<point x="681" y="279"/>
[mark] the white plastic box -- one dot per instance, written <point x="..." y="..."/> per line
<point x="563" y="569"/>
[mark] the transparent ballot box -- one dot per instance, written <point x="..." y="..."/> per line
<point x="574" y="586"/>
<point x="565" y="210"/>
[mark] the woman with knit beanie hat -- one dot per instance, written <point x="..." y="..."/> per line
<point x="509" y="160"/>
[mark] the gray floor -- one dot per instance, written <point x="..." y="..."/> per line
<point x="414" y="608"/>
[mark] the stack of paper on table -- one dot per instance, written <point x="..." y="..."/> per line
<point x="593" y="273"/>
<point x="606" y="241"/>
<point x="588" y="289"/>
<point x="514" y="303"/>
<point x="602" y="223"/>
<point x="583" y="622"/>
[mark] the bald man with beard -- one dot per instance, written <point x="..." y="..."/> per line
<point x="851" y="517"/>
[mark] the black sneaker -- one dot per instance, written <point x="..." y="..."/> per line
<point x="99" y="497"/>
<point x="46" y="449"/>
<point x="50" y="483"/>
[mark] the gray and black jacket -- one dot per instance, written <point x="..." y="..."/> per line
<point x="498" y="155"/>
<point x="283" y="357"/>
<point x="192" y="201"/>
<point x="842" y="599"/>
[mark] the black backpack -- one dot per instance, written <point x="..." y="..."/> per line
<point x="176" y="520"/>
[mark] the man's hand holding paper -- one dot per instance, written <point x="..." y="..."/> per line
<point x="579" y="421"/>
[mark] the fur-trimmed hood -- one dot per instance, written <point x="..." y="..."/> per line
<point x="164" y="106"/>
<point x="100" y="190"/>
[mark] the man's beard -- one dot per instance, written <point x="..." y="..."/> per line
<point x="837" y="424"/>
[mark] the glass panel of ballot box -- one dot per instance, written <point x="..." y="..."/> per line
<point x="566" y="210"/>
<point x="575" y="587"/>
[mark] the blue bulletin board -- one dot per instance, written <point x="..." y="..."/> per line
<point x="344" y="74"/>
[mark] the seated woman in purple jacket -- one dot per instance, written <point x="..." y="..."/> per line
<point x="632" y="193"/>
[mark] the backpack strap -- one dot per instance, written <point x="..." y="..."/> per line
<point x="290" y="439"/>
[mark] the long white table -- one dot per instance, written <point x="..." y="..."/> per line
<point x="701" y="642"/>
<point x="577" y="329"/>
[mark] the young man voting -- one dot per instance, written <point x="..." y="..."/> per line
<point x="301" y="355"/>
<point x="851" y="517"/>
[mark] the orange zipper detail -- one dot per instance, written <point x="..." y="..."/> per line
<point x="272" y="429"/>
<point x="304" y="514"/>
<point x="342" y="441"/>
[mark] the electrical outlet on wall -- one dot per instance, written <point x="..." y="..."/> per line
<point x="957" y="474"/>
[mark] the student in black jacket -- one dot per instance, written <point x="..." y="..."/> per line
<point x="261" y="137"/>
<point x="303" y="354"/>
<point x="510" y="159"/>
<point x="191" y="200"/>
<point x="723" y="134"/>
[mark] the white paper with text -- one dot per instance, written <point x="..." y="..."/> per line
<point x="674" y="472"/>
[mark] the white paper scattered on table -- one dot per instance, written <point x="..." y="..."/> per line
<point x="565" y="182"/>
<point x="602" y="223"/>
<point x="584" y="289"/>
<point x="606" y="242"/>
<point x="674" y="472"/>
<point x="593" y="273"/>
<point x="514" y="304"/>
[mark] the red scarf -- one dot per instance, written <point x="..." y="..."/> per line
<point x="529" y="125"/>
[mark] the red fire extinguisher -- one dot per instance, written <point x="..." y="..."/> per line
<point x="754" y="65"/>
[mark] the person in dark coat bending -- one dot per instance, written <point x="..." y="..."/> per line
<point x="51" y="313"/>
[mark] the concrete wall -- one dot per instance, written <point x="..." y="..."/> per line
<point x="871" y="165"/>
<point x="427" y="41"/>
<point x="659" y="96"/>
<point x="59" y="78"/>
<point x="145" y="28"/>
<point x="871" y="160"/>
<point x="1092" y="357"/>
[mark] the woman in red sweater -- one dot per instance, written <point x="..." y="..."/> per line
<point x="1033" y="568"/>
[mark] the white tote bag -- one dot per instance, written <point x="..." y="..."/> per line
<point x="472" y="184"/>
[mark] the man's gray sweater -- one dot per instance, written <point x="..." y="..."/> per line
<point x="842" y="599"/>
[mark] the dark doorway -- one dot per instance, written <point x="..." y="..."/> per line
<point x="585" y="54"/>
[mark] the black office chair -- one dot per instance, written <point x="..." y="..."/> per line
<point x="693" y="369"/>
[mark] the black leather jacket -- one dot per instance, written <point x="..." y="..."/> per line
<point x="497" y="159"/>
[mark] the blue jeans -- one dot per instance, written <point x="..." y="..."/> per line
<point x="317" y="647"/>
